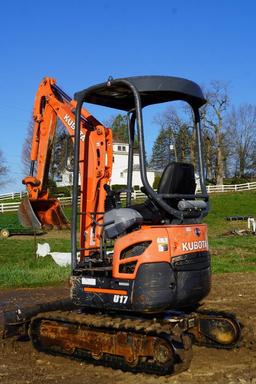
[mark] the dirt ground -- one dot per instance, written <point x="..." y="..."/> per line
<point x="20" y="363"/>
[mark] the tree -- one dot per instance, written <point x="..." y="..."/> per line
<point x="253" y="162"/>
<point x="57" y="163"/>
<point x="213" y="114"/>
<point x="62" y="153"/>
<point x="175" y="141"/>
<point x="3" y="170"/>
<point x="242" y="132"/>
<point x="26" y="149"/>
<point x="162" y="152"/>
<point x="119" y="128"/>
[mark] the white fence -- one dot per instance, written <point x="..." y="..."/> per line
<point x="231" y="188"/>
<point x="12" y="207"/>
<point x="13" y="195"/>
<point x="135" y="195"/>
<point x="9" y="207"/>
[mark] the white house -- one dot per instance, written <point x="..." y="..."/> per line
<point x="119" y="170"/>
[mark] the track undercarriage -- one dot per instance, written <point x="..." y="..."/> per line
<point x="159" y="345"/>
<point x="130" y="344"/>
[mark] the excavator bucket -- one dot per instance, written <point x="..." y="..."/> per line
<point x="42" y="213"/>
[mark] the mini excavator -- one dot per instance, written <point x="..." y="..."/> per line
<point x="143" y="268"/>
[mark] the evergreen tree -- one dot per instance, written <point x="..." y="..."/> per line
<point x="163" y="149"/>
<point x="175" y="141"/>
<point x="119" y="128"/>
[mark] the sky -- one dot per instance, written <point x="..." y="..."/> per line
<point x="81" y="43"/>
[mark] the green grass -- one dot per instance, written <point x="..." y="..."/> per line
<point x="20" y="268"/>
<point x="231" y="253"/>
<point x="9" y="219"/>
<point x="229" y="204"/>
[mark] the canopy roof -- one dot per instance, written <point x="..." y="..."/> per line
<point x="152" y="89"/>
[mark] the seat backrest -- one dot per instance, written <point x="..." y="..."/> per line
<point x="177" y="178"/>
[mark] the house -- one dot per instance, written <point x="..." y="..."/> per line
<point x="120" y="163"/>
<point x="119" y="170"/>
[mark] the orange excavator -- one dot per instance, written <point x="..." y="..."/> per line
<point x="143" y="268"/>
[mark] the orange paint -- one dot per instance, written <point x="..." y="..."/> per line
<point x="102" y="290"/>
<point x="167" y="241"/>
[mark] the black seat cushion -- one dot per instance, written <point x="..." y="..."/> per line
<point x="177" y="178"/>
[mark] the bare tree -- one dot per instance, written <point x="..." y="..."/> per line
<point x="26" y="149"/>
<point x="242" y="132"/>
<point x="213" y="116"/>
<point x="57" y="163"/>
<point x="3" y="170"/>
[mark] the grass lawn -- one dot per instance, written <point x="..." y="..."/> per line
<point x="20" y="268"/>
<point x="231" y="253"/>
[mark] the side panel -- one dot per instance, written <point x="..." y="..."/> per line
<point x="161" y="244"/>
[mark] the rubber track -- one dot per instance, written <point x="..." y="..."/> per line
<point x="173" y="332"/>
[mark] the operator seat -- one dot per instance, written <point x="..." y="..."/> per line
<point x="177" y="178"/>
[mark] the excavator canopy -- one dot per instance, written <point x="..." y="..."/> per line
<point x="152" y="90"/>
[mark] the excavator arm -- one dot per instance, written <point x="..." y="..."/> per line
<point x="95" y="165"/>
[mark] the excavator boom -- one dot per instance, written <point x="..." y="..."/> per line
<point x="41" y="209"/>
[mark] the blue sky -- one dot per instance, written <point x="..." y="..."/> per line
<point x="82" y="42"/>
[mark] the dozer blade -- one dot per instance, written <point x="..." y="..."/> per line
<point x="216" y="329"/>
<point x="42" y="213"/>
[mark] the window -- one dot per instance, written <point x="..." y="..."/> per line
<point x="121" y="148"/>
